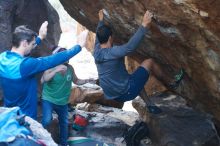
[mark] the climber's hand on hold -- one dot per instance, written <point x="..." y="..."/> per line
<point x="147" y="19"/>
<point x="101" y="15"/>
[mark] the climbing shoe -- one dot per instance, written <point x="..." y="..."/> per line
<point x="153" y="109"/>
<point x="178" y="79"/>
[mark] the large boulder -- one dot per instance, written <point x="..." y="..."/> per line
<point x="178" y="124"/>
<point x="183" y="34"/>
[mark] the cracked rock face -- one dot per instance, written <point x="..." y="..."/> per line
<point x="32" y="13"/>
<point x="185" y="33"/>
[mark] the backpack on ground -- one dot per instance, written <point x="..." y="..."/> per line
<point x="136" y="133"/>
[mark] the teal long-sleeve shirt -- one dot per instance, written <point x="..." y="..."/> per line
<point x="113" y="76"/>
<point x="17" y="77"/>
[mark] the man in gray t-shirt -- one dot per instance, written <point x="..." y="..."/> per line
<point x="114" y="79"/>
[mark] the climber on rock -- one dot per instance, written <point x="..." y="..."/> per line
<point x="114" y="79"/>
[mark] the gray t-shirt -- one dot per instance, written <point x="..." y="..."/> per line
<point x="113" y="76"/>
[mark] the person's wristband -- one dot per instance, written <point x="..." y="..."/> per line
<point x="37" y="40"/>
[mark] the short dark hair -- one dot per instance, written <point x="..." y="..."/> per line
<point x="103" y="33"/>
<point x="22" y="33"/>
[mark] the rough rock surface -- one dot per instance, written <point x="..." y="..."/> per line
<point x="103" y="128"/>
<point x="177" y="125"/>
<point x="116" y="113"/>
<point x="185" y="33"/>
<point x="32" y="13"/>
<point x="91" y="93"/>
<point x="106" y="124"/>
<point x="40" y="132"/>
<point x="28" y="12"/>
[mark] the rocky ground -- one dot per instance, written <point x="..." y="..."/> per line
<point x="177" y="125"/>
